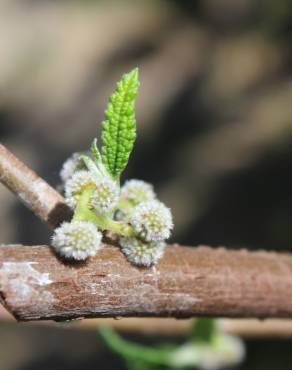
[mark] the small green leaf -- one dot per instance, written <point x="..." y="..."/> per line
<point x="92" y="168"/>
<point x="94" y="150"/>
<point x="119" y="128"/>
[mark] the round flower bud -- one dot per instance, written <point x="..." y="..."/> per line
<point x="106" y="196"/>
<point x="78" y="240"/>
<point x="152" y="221"/>
<point x="71" y="165"/>
<point x="224" y="351"/>
<point x="75" y="185"/>
<point x="136" y="191"/>
<point x="141" y="253"/>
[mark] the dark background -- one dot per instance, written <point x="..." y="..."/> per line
<point x="214" y="119"/>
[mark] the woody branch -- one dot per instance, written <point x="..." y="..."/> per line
<point x="36" y="285"/>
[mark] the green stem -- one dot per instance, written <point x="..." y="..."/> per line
<point x="84" y="213"/>
<point x="118" y="227"/>
<point x="133" y="351"/>
<point x="126" y="206"/>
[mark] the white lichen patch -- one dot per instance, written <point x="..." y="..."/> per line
<point x="40" y="188"/>
<point x="21" y="284"/>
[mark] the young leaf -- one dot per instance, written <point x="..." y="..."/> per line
<point x="94" y="151"/>
<point x="119" y="128"/>
<point x="96" y="168"/>
<point x="90" y="165"/>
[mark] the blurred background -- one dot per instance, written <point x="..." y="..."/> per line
<point x="214" y="117"/>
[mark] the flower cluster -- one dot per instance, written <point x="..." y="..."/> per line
<point x="141" y="253"/>
<point x="152" y="221"/>
<point x="137" y="191"/>
<point x="71" y="165"/>
<point x="148" y="219"/>
<point x="106" y="196"/>
<point x="205" y="352"/>
<point x="92" y="190"/>
<point x="222" y="352"/>
<point x="75" y="185"/>
<point x="77" y="240"/>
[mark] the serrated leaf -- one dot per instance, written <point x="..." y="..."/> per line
<point x="119" y="128"/>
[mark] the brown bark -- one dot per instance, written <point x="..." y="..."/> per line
<point x="36" y="285"/>
<point x="33" y="191"/>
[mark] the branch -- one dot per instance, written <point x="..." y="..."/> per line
<point x="33" y="191"/>
<point x="247" y="328"/>
<point x="36" y="285"/>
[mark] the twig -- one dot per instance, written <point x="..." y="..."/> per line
<point x="35" y="285"/>
<point x="255" y="328"/>
<point x="248" y="328"/>
<point x="33" y="191"/>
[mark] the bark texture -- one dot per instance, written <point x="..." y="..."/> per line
<point x="36" y="285"/>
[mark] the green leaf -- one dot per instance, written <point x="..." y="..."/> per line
<point x="92" y="167"/>
<point x="96" y="168"/>
<point x="119" y="128"/>
<point x="94" y="151"/>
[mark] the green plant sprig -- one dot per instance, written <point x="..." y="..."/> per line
<point x="119" y="128"/>
<point x="118" y="136"/>
<point x="206" y="341"/>
<point x="92" y="189"/>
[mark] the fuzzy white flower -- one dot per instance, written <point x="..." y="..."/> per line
<point x="106" y="196"/>
<point x="75" y="185"/>
<point x="224" y="351"/>
<point x="71" y="165"/>
<point x="152" y="221"/>
<point x="137" y="191"/>
<point x="78" y="240"/>
<point x="141" y="253"/>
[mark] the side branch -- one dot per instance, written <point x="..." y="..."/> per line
<point x="33" y="191"/>
<point x="36" y="285"/>
<point x="247" y="328"/>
